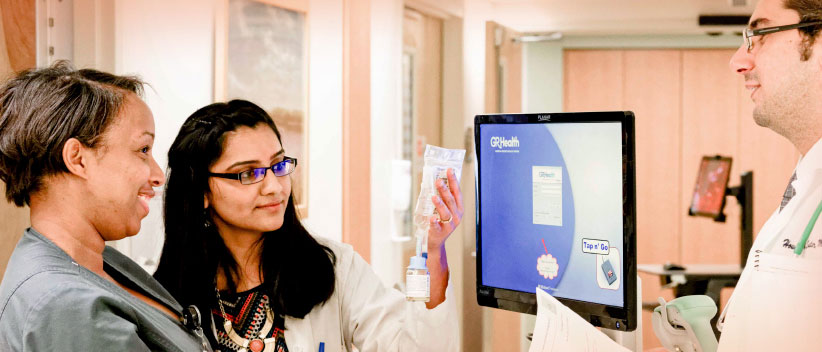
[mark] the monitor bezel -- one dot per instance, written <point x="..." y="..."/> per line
<point x="603" y="315"/>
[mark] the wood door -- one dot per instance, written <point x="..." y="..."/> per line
<point x="17" y="52"/>
<point x="592" y="80"/>
<point x="422" y="51"/>
<point x="503" y="94"/>
<point x="652" y="88"/>
<point x="503" y="70"/>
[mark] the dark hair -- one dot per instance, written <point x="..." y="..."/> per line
<point x="41" y="109"/>
<point x="809" y="11"/>
<point x="298" y="272"/>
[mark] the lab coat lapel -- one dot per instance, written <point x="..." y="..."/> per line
<point x="299" y="336"/>
<point x="763" y="294"/>
<point x="779" y="220"/>
<point x="321" y="325"/>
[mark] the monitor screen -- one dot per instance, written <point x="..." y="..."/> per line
<point x="555" y="210"/>
<point x="711" y="182"/>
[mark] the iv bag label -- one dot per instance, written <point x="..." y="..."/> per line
<point x="547" y="195"/>
<point x="428" y="189"/>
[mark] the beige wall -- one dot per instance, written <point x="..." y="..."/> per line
<point x="687" y="104"/>
<point x="17" y="40"/>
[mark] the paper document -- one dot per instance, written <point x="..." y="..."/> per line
<point x="558" y="328"/>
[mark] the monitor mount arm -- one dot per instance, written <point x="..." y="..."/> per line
<point x="744" y="196"/>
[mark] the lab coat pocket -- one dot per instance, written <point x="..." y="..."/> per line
<point x="783" y="313"/>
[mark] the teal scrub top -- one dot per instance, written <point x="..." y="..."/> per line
<point x="50" y="303"/>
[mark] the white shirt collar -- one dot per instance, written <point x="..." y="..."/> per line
<point x="807" y="167"/>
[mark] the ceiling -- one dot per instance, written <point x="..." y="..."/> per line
<point x="623" y="17"/>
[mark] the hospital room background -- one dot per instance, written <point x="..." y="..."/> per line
<point x="374" y="81"/>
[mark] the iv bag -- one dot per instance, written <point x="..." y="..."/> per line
<point x="437" y="161"/>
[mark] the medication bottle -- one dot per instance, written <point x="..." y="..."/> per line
<point x="417" y="281"/>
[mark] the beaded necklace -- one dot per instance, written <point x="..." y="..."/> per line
<point x="257" y="343"/>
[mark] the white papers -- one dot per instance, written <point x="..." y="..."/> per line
<point x="560" y="329"/>
<point x="547" y="195"/>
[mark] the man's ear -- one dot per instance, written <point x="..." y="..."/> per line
<point x="205" y="201"/>
<point x="75" y="157"/>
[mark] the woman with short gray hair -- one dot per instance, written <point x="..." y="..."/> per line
<point x="76" y="147"/>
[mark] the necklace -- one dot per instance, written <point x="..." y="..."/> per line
<point x="256" y="344"/>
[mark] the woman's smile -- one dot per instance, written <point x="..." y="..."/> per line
<point x="272" y="206"/>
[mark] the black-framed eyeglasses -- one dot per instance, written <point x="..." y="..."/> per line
<point x="748" y="33"/>
<point x="251" y="176"/>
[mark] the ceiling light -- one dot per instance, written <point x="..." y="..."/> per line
<point x="538" y="37"/>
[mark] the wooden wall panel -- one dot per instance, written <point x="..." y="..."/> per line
<point x="505" y="58"/>
<point x="710" y="121"/>
<point x="492" y="104"/>
<point x="652" y="87"/>
<point x="356" y="127"/>
<point x="504" y="327"/>
<point x="593" y="80"/>
<point x="511" y="59"/>
<point x="19" y="33"/>
<point x="428" y="82"/>
<point x="422" y="38"/>
<point x="13" y="221"/>
<point x="17" y="38"/>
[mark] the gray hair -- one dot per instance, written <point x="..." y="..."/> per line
<point x="41" y="109"/>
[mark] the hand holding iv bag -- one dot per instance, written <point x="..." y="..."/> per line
<point x="437" y="161"/>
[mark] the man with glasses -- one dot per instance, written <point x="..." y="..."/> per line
<point x="774" y="306"/>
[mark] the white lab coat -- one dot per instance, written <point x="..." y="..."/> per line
<point x="775" y="306"/>
<point x="372" y="317"/>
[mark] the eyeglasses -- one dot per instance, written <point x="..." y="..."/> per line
<point x="748" y="32"/>
<point x="247" y="177"/>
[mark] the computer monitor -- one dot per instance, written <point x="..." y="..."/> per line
<point x="709" y="190"/>
<point x="556" y="210"/>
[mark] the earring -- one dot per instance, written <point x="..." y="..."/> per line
<point x="207" y="219"/>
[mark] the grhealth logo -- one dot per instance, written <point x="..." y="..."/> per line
<point x="502" y="142"/>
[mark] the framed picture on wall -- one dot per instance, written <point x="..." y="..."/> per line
<point x="261" y="55"/>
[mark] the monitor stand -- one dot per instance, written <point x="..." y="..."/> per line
<point x="631" y="340"/>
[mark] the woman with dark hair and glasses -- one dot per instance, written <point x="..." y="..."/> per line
<point x="235" y="247"/>
<point x="75" y="146"/>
